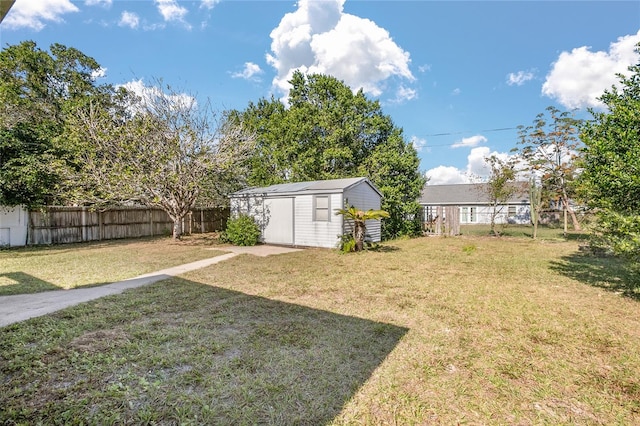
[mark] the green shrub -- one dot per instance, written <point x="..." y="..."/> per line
<point x="346" y="243"/>
<point x="241" y="231"/>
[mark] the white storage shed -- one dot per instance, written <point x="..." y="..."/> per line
<point x="13" y="226"/>
<point x="303" y="213"/>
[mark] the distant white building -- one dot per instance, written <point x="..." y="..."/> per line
<point x="473" y="203"/>
<point x="304" y="213"/>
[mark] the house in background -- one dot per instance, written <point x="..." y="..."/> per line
<point x="473" y="204"/>
<point x="304" y="213"/>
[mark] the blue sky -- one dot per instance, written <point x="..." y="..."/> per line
<point x="457" y="76"/>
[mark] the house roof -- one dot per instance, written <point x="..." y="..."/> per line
<point x="468" y="193"/>
<point x="309" y="187"/>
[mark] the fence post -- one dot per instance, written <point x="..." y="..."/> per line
<point x="100" y="226"/>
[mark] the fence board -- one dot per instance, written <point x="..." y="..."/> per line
<point x="55" y="225"/>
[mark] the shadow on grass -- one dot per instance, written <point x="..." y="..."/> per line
<point x="611" y="273"/>
<point x="180" y="351"/>
<point x="20" y="283"/>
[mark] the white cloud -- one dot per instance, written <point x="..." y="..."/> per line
<point x="319" y="38"/>
<point x="418" y="143"/>
<point x="579" y="77"/>
<point x="149" y="93"/>
<point x="103" y="3"/>
<point x="476" y="169"/>
<point x="456" y="91"/>
<point x="34" y="14"/>
<point x="250" y="72"/>
<point x="209" y="4"/>
<point x="469" y="142"/>
<point x="424" y="68"/>
<point x="444" y="175"/>
<point x="171" y="11"/>
<point x="129" y="19"/>
<point x="519" y="78"/>
<point x="99" y="73"/>
<point x="405" y="94"/>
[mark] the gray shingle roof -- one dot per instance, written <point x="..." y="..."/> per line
<point x="468" y="193"/>
<point x="316" y="186"/>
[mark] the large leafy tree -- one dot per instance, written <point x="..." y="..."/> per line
<point x="610" y="179"/>
<point x="551" y="147"/>
<point x="326" y="131"/>
<point x="39" y="90"/>
<point x="162" y="149"/>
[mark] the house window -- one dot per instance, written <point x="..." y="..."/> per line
<point x="321" y="208"/>
<point x="467" y="214"/>
<point x="513" y="212"/>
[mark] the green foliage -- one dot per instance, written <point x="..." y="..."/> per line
<point x="328" y="132"/>
<point x="358" y="218"/>
<point x="38" y="92"/>
<point x="610" y="181"/>
<point x="347" y="244"/>
<point x="242" y="231"/>
<point x="551" y="148"/>
<point x="535" y="205"/>
<point x="499" y="187"/>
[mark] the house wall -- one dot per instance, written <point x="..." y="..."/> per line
<point x="479" y="214"/>
<point x="362" y="196"/>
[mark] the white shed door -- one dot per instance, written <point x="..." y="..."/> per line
<point x="279" y="215"/>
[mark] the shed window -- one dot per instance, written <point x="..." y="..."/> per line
<point x="512" y="211"/>
<point x="321" y="208"/>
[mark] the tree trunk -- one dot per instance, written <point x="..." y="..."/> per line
<point x="574" y="218"/>
<point x="177" y="228"/>
<point x="358" y="235"/>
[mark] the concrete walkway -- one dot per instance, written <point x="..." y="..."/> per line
<point x="21" y="307"/>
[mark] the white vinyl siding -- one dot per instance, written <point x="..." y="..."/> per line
<point x="364" y="197"/>
<point x="313" y="233"/>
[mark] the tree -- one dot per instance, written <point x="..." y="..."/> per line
<point x="161" y="150"/>
<point x="359" y="220"/>
<point x="535" y="204"/>
<point x="499" y="187"/>
<point x="550" y="147"/>
<point x="610" y="178"/>
<point x="329" y="132"/>
<point x="38" y="92"/>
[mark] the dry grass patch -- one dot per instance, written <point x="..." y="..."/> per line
<point x="429" y="331"/>
<point x="43" y="268"/>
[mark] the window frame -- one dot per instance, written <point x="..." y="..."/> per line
<point x="326" y="209"/>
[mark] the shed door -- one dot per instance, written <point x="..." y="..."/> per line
<point x="279" y="221"/>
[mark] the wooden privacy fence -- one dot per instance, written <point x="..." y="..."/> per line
<point x="441" y="220"/>
<point x="55" y="225"/>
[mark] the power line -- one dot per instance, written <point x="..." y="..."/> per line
<point x="501" y="129"/>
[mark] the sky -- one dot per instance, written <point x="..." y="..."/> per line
<point x="458" y="77"/>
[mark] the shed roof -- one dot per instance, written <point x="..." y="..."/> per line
<point x="468" y="193"/>
<point x="309" y="187"/>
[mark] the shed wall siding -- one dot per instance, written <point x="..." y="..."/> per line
<point x="364" y="197"/>
<point x="317" y="233"/>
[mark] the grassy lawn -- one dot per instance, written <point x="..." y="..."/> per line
<point x="465" y="330"/>
<point x="43" y="268"/>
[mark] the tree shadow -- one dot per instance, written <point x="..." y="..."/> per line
<point x="20" y="283"/>
<point x="217" y="355"/>
<point x="607" y="272"/>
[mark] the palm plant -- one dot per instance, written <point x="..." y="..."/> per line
<point x="359" y="218"/>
